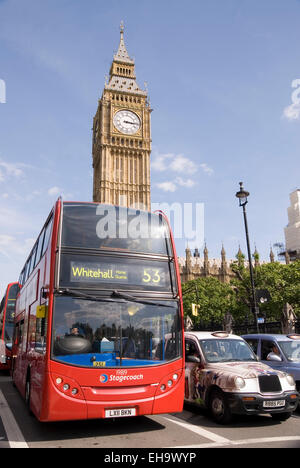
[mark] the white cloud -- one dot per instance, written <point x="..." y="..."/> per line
<point x="13" y="221"/>
<point x="58" y="192"/>
<point x="54" y="191"/>
<point x="180" y="163"/>
<point x="10" y="170"/>
<point x="208" y="170"/>
<point x="292" y="112"/>
<point x="188" y="183"/>
<point x="13" y="253"/>
<point x="5" y="240"/>
<point x="159" y="163"/>
<point x="167" y="186"/>
<point x="10" y="246"/>
<point x="31" y="196"/>
<point x="172" y="185"/>
<point x="173" y="162"/>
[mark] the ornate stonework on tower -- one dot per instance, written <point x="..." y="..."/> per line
<point x="122" y="137"/>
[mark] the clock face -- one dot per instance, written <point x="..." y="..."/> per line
<point x="127" y="122"/>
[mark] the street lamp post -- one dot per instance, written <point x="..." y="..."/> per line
<point x="242" y="195"/>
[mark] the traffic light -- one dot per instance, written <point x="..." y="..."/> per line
<point x="195" y="308"/>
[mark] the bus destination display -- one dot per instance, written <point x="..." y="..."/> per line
<point x="83" y="272"/>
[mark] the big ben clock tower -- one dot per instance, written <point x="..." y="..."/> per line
<point x="122" y="137"/>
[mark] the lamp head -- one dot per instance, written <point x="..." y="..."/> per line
<point x="242" y="195"/>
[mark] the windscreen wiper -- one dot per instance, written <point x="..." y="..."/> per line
<point x="129" y="298"/>
<point x="115" y="295"/>
<point x="89" y="297"/>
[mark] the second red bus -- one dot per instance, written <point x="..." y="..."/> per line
<point x="7" y="314"/>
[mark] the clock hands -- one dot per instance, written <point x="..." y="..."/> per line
<point x="131" y="123"/>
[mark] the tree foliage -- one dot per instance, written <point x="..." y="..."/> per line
<point x="280" y="280"/>
<point x="216" y="298"/>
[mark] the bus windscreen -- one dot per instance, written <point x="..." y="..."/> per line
<point x="98" y="226"/>
<point x="113" y="334"/>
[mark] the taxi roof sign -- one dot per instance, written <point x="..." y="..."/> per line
<point x="294" y="336"/>
<point x="220" y="334"/>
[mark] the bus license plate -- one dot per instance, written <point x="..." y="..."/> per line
<point x="120" y="413"/>
<point x="274" y="404"/>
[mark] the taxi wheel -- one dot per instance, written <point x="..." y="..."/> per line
<point x="219" y="408"/>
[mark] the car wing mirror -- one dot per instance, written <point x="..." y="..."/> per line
<point x="274" y="357"/>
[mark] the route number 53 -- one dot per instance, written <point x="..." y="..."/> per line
<point x="151" y="276"/>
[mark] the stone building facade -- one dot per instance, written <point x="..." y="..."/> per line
<point x="192" y="266"/>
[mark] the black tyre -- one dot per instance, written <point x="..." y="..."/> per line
<point x="219" y="407"/>
<point x="28" y="394"/>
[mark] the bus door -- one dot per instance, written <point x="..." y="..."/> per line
<point x="37" y="343"/>
<point x="16" y="349"/>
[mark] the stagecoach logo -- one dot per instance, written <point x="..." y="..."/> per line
<point x="103" y="378"/>
<point x="121" y="376"/>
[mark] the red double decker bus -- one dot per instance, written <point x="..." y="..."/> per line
<point x="99" y="317"/>
<point x="7" y="313"/>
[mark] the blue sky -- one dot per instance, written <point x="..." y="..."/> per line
<point x="220" y="76"/>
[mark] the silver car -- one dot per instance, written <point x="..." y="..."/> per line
<point x="281" y="352"/>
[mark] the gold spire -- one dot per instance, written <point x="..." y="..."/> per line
<point x="122" y="54"/>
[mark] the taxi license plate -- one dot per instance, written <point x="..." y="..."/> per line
<point x="120" y="413"/>
<point x="274" y="404"/>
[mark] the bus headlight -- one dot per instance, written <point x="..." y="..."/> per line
<point x="170" y="381"/>
<point x="66" y="387"/>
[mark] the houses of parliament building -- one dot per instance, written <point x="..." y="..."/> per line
<point x="192" y="266"/>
